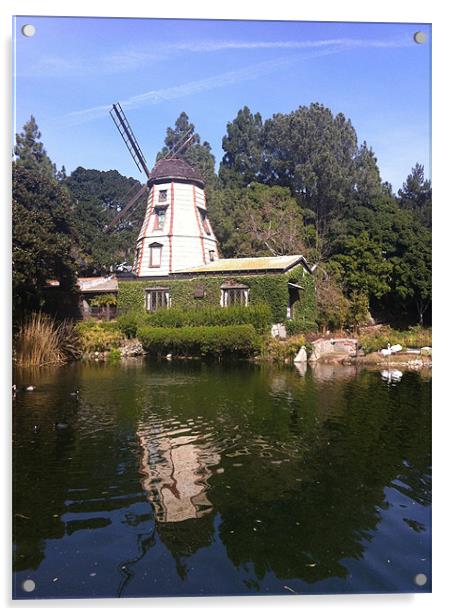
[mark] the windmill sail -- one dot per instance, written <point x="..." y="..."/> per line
<point x="126" y="132"/>
<point x="127" y="208"/>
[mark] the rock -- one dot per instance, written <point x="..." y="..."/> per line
<point x="425" y="351"/>
<point x="131" y="348"/>
<point x="278" y="330"/>
<point x="301" y="356"/>
<point x="338" y="346"/>
<point x="30" y="388"/>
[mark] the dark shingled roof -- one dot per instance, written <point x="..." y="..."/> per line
<point x="174" y="169"/>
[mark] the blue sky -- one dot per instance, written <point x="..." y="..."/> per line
<point x="70" y="72"/>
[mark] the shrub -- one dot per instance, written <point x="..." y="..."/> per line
<point x="241" y="340"/>
<point x="108" y="299"/>
<point x="295" y="327"/>
<point x="41" y="340"/>
<point x="258" y="315"/>
<point x="128" y="323"/>
<point x="98" y="336"/>
<point x="414" y="337"/>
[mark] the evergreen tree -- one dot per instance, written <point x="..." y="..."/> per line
<point x="196" y="153"/>
<point x="30" y="151"/>
<point x="97" y="197"/>
<point x="242" y="144"/>
<point x="415" y="194"/>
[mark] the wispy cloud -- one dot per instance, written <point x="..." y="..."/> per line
<point x="153" y="97"/>
<point x="133" y="58"/>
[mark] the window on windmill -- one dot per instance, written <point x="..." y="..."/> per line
<point x="157" y="299"/>
<point x="155" y="255"/>
<point x="162" y="196"/>
<point x="204" y="220"/>
<point x="211" y="255"/>
<point x="234" y="296"/>
<point x="160" y="218"/>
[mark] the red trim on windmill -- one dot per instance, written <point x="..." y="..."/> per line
<point x="199" y="225"/>
<point x="172" y="203"/>
<point x="145" y="231"/>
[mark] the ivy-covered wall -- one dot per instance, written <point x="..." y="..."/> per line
<point x="271" y="289"/>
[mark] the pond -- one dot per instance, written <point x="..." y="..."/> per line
<point x="185" y="478"/>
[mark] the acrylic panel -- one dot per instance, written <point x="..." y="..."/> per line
<point x="221" y="308"/>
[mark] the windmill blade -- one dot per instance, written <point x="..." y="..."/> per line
<point x="127" y="209"/>
<point x="181" y="147"/>
<point x="123" y="126"/>
<point x="183" y="141"/>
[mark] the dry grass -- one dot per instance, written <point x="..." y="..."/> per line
<point x="41" y="341"/>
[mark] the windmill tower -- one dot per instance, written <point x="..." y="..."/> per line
<point x="176" y="232"/>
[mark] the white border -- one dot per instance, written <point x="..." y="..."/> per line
<point x="327" y="10"/>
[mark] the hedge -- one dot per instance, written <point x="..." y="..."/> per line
<point x="237" y="340"/>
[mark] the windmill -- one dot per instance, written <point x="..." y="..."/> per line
<point x="126" y="132"/>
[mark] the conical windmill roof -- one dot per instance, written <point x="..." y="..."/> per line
<point x="174" y="169"/>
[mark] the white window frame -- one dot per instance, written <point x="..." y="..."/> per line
<point x="163" y="195"/>
<point x="152" y="247"/>
<point x="226" y="294"/>
<point x="163" y="299"/>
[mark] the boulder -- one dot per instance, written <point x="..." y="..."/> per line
<point x="301" y="356"/>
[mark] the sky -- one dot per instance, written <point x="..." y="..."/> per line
<point x="70" y="72"/>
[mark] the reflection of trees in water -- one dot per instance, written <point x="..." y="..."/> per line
<point x="314" y="511"/>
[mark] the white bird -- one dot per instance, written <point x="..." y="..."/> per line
<point x="387" y="351"/>
<point x="395" y="348"/>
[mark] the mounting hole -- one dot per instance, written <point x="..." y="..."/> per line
<point x="420" y="37"/>
<point x="28" y="585"/>
<point x="420" y="579"/>
<point x="28" y="30"/>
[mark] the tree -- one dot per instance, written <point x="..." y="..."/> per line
<point x="411" y="265"/>
<point x="42" y="238"/>
<point x="415" y="195"/>
<point x="196" y="153"/>
<point x="97" y="197"/>
<point x="313" y="153"/>
<point x="362" y="267"/>
<point x="257" y="220"/>
<point x="271" y="221"/>
<point x="30" y="151"/>
<point x="242" y="144"/>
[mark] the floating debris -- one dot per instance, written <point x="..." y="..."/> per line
<point x="290" y="590"/>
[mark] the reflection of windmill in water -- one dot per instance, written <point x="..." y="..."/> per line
<point x="176" y="465"/>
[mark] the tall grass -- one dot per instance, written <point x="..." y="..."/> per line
<point x="40" y="340"/>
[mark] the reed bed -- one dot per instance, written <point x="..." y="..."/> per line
<point x="41" y="340"/>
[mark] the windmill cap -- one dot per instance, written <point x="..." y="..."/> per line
<point x="174" y="169"/>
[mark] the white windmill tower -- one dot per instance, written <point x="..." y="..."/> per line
<point x="176" y="232"/>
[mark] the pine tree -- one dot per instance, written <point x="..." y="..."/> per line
<point x="197" y="153"/>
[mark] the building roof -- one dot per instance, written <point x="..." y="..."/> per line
<point x="247" y="264"/>
<point x="174" y="169"/>
<point x="98" y="284"/>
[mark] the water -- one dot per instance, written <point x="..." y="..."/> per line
<point x="195" y="479"/>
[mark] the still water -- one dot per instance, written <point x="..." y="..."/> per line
<point x="196" y="479"/>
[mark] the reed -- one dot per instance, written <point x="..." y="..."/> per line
<point x="40" y="340"/>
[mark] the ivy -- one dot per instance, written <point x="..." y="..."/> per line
<point x="270" y="289"/>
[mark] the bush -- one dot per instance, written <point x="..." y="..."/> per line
<point x="295" y="327"/>
<point x="98" y="336"/>
<point x="414" y="337"/>
<point x="258" y="315"/>
<point x="128" y="323"/>
<point x="241" y="340"/>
